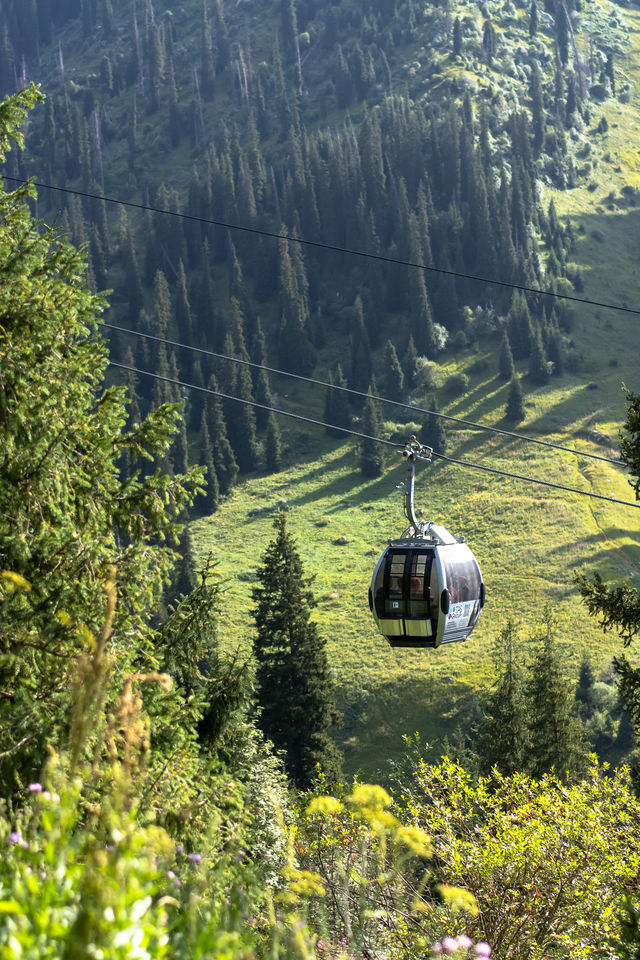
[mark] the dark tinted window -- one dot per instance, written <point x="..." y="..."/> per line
<point x="462" y="573"/>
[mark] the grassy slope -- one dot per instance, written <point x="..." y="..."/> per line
<point x="530" y="541"/>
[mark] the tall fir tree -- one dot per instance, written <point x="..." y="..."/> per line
<point x="210" y="501"/>
<point x="273" y="445"/>
<point x="371" y="459"/>
<point x="223" y="455"/>
<point x="337" y="410"/>
<point x="506" y="366"/>
<point x="557" y="738"/>
<point x="393" y="375"/>
<point x="294" y="687"/>
<point x="514" y="409"/>
<point x="433" y="432"/>
<point x="584" y="689"/>
<point x="503" y="738"/>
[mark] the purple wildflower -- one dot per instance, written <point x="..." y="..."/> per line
<point x="35" y="787"/>
<point x="449" y="944"/>
<point x="179" y="848"/>
<point x="15" y="837"/>
<point x="171" y="875"/>
<point x="194" y="857"/>
<point x="464" y="942"/>
<point x="482" y="949"/>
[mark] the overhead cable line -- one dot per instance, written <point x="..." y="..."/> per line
<point x="364" y="436"/>
<point x="329" y="246"/>
<point x="359" y="393"/>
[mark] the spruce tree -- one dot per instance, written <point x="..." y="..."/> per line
<point x="557" y="738"/>
<point x="411" y="364"/>
<point x="223" y="456"/>
<point x="371" y="460"/>
<point x="506" y="366"/>
<point x="211" y="499"/>
<point x="294" y="687"/>
<point x="393" y="375"/>
<point x="337" y="411"/>
<point x="503" y="738"/>
<point x="539" y="371"/>
<point x="273" y="445"/>
<point x="584" y="689"/>
<point x="433" y="431"/>
<point x="514" y="409"/>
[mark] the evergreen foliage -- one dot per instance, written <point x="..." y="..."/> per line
<point x="514" y="409"/>
<point x="273" y="445"/>
<point x="85" y="552"/>
<point x="337" y="410"/>
<point x="394" y="377"/>
<point x="504" y="737"/>
<point x="433" y="431"/>
<point x="294" y="688"/>
<point x="371" y="458"/>
<point x="557" y="738"/>
<point x="506" y="366"/>
<point x="618" y="607"/>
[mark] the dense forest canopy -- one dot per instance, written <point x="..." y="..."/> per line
<point x="419" y="132"/>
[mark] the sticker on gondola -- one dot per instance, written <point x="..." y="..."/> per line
<point x="459" y="614"/>
<point x="395" y="604"/>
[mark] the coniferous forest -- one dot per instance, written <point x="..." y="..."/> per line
<point x="195" y="198"/>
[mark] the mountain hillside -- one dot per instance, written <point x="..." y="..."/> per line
<point x="494" y="141"/>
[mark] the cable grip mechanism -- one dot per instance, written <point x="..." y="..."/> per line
<point x="413" y="450"/>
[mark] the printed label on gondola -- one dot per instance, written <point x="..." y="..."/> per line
<point x="459" y="614"/>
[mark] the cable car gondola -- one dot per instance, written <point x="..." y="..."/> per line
<point x="427" y="588"/>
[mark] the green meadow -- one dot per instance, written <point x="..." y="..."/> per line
<point x="530" y="541"/>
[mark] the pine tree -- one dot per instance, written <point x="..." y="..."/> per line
<point x="457" y="37"/>
<point x="557" y="739"/>
<point x="294" y="688"/>
<point x="433" y="431"/>
<point x="537" y="108"/>
<point x="273" y="445"/>
<point x="584" y="690"/>
<point x="63" y="430"/>
<point x="514" y="409"/>
<point x="337" y="410"/>
<point x="533" y="18"/>
<point x="223" y="456"/>
<point x="211" y="499"/>
<point x="360" y="361"/>
<point x="263" y="397"/>
<point x="411" y="364"/>
<point x="371" y="459"/>
<point x="507" y="368"/>
<point x="393" y="375"/>
<point x="539" y="371"/>
<point x="504" y="738"/>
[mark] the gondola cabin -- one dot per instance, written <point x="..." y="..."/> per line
<point x="426" y="590"/>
